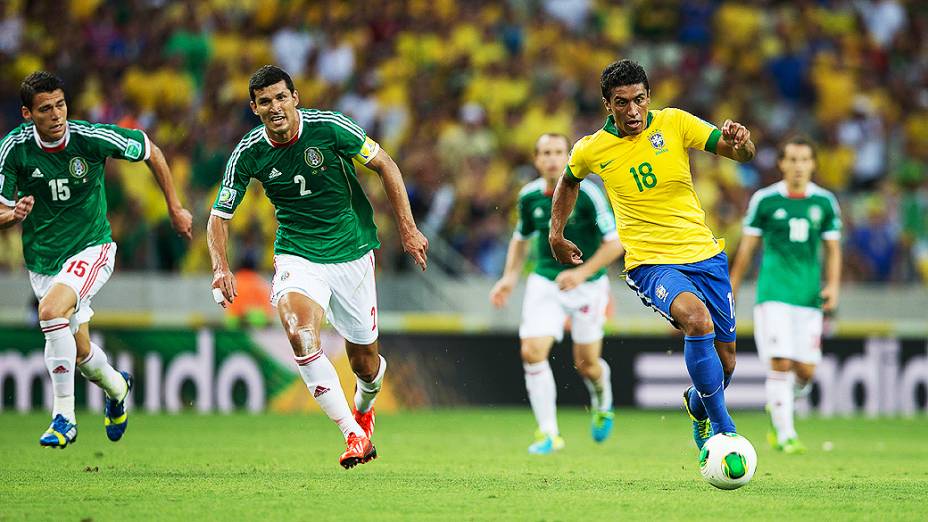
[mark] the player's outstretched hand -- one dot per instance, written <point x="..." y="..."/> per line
<point x="565" y="251"/>
<point x="224" y="288"/>
<point x="570" y="279"/>
<point x="23" y="208"/>
<point x="416" y="245"/>
<point x="182" y="221"/>
<point x="501" y="291"/>
<point x="736" y="134"/>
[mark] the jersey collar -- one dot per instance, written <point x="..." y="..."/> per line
<point x="784" y="190"/>
<point x="54" y="146"/>
<point x="292" y="140"/>
<point x="613" y="129"/>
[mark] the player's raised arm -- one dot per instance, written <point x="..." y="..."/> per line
<point x="414" y="242"/>
<point x="181" y="219"/>
<point x="736" y="142"/>
<point x="217" y="236"/>
<point x="565" y="198"/>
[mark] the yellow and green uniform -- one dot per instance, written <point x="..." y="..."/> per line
<point x="66" y="179"/>
<point x="323" y="214"/>
<point x="589" y="224"/>
<point x="648" y="180"/>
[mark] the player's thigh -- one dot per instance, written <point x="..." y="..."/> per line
<point x="587" y="304"/>
<point x="353" y="308"/>
<point x="773" y="331"/>
<point x="659" y="286"/>
<point x="80" y="279"/>
<point x="711" y="278"/>
<point x="807" y="334"/>
<point x="543" y="313"/>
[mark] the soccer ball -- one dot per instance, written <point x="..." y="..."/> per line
<point x="727" y="461"/>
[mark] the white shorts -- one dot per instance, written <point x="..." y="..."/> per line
<point x="347" y="291"/>
<point x="787" y="331"/>
<point x="85" y="272"/>
<point x="546" y="308"/>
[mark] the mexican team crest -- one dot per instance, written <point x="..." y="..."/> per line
<point x="313" y="157"/>
<point x="815" y="213"/>
<point x="78" y="167"/>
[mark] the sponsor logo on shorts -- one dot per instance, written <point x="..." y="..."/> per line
<point x="78" y="167"/>
<point x="661" y="292"/>
<point x="133" y="150"/>
<point x="284" y="276"/>
<point x="226" y="197"/>
<point x="313" y="157"/>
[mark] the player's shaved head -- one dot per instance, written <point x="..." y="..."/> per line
<point x="620" y="73"/>
<point x="552" y="135"/>
<point x="266" y="76"/>
<point x="38" y="82"/>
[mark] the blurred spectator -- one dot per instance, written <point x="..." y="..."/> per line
<point x="459" y="91"/>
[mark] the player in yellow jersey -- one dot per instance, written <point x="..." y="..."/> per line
<point x="673" y="261"/>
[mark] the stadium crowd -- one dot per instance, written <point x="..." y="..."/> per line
<point x="458" y="92"/>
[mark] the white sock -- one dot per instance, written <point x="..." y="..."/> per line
<point x="780" y="401"/>
<point x="96" y="368"/>
<point x="322" y="380"/>
<point x="366" y="392"/>
<point x="601" y="390"/>
<point x="542" y="394"/>
<point x="60" y="352"/>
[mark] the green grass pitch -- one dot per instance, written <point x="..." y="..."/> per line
<point x="466" y="464"/>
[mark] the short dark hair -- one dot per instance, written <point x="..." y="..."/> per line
<point x="39" y="81"/>
<point x="553" y="135"/>
<point x="796" y="139"/>
<point x="266" y="76"/>
<point x="622" y="72"/>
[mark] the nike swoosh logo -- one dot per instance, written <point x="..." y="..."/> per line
<point x="606" y="164"/>
<point x="732" y="329"/>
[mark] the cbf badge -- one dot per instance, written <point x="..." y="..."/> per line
<point x="657" y="141"/>
<point x="313" y="157"/>
<point x="78" y="167"/>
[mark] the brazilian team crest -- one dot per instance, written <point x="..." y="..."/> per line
<point x="313" y="157"/>
<point x="657" y="140"/>
<point x="78" y="167"/>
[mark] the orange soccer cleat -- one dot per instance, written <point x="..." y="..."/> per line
<point x="359" y="451"/>
<point x="366" y="421"/>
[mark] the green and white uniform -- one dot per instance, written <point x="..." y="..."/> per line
<point x="66" y="238"/>
<point x="545" y="307"/>
<point x="788" y="317"/>
<point x="326" y="223"/>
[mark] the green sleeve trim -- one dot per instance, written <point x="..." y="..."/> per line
<point x="570" y="175"/>
<point x="713" y="141"/>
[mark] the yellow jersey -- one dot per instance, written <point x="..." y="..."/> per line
<point x="648" y="180"/>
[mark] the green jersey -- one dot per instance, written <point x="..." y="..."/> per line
<point x="323" y="214"/>
<point x="590" y="223"/>
<point x="791" y="227"/>
<point x="66" y="179"/>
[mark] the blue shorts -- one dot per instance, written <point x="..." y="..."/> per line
<point x="659" y="285"/>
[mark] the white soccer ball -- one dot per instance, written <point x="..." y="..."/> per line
<point x="727" y="461"/>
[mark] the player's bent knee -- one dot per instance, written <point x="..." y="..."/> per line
<point x="697" y="322"/>
<point x="532" y="353"/>
<point x="49" y="311"/>
<point x="304" y="340"/>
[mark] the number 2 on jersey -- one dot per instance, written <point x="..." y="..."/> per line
<point x="647" y="179"/>
<point x="302" y="181"/>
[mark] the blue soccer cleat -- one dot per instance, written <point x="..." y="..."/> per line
<point x="602" y="425"/>
<point x="702" y="429"/>
<point x="60" y="433"/>
<point x="546" y="444"/>
<point x="115" y="418"/>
